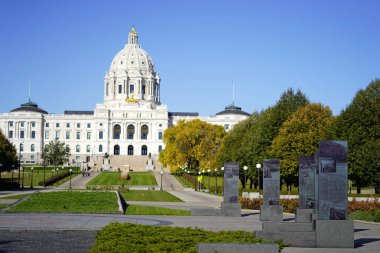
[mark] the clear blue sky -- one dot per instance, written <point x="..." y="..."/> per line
<point x="328" y="49"/>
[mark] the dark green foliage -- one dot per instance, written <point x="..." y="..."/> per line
<point x="359" y="124"/>
<point x="249" y="141"/>
<point x="366" y="215"/>
<point x="8" y="154"/>
<point x="128" y="237"/>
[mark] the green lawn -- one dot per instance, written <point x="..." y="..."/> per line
<point x="113" y="178"/>
<point x="18" y="196"/>
<point x="373" y="216"/>
<point x="3" y="206"/>
<point x="69" y="201"/>
<point x="127" y="237"/>
<point x="155" y="210"/>
<point x="140" y="195"/>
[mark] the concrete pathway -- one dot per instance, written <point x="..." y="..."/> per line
<point x="169" y="183"/>
<point x="79" y="181"/>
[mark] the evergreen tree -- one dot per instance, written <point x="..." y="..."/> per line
<point x="8" y="154"/>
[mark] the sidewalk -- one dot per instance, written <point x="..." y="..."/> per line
<point x="79" y="181"/>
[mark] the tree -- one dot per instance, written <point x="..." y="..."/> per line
<point x="299" y="136"/>
<point x="248" y="143"/>
<point x="359" y="124"/>
<point x="56" y="153"/>
<point x="8" y="154"/>
<point x="193" y="143"/>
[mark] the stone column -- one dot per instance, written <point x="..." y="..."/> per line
<point x="231" y="205"/>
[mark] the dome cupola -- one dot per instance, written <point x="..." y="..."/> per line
<point x="131" y="77"/>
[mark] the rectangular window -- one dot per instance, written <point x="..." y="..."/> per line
<point x="57" y="133"/>
<point x="56" y="124"/>
<point x="88" y="125"/>
<point x="100" y="135"/>
<point x="88" y="135"/>
<point x="131" y="88"/>
<point x="32" y="157"/>
<point x="67" y="135"/>
<point x="10" y="123"/>
<point x="143" y="89"/>
<point x="10" y="134"/>
<point x="47" y="124"/>
<point x="46" y="134"/>
<point x="77" y="158"/>
<point x="33" y="134"/>
<point x="78" y="135"/>
<point x="33" y="124"/>
<point x="22" y="123"/>
<point x="120" y="89"/>
<point x="22" y="134"/>
<point x="78" y="125"/>
<point x="160" y="135"/>
<point x="67" y="125"/>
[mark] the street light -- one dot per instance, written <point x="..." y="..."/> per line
<point x="1" y="165"/>
<point x="216" y="181"/>
<point x="258" y="166"/>
<point x="70" y="177"/>
<point x="52" y="173"/>
<point x="23" y="176"/>
<point x="198" y="182"/>
<point x="31" y="181"/>
<point x="203" y="180"/>
<point x="222" y="169"/>
<point x="208" y="174"/>
<point x="44" y="173"/>
<point x="161" y="179"/>
<point x="245" y="168"/>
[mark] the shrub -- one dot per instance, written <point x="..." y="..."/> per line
<point x="355" y="205"/>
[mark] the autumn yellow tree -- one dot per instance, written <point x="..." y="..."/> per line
<point x="191" y="143"/>
<point x="300" y="136"/>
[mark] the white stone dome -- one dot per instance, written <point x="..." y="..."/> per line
<point x="131" y="77"/>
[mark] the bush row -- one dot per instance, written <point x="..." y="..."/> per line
<point x="290" y="205"/>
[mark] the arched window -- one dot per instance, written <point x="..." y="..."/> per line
<point x="116" y="150"/>
<point x="32" y="147"/>
<point x="144" y="132"/>
<point x="88" y="149"/>
<point x="116" y="131"/>
<point x="77" y="148"/>
<point x="21" y="147"/>
<point x="159" y="149"/>
<point x="144" y="150"/>
<point x="130" y="132"/>
<point x="130" y="150"/>
<point x="100" y="148"/>
<point x="107" y="89"/>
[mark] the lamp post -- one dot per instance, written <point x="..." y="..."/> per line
<point x="52" y="173"/>
<point x="19" y="163"/>
<point x="222" y="169"/>
<point x="31" y="179"/>
<point x="23" y="176"/>
<point x="198" y="181"/>
<point x="44" y="164"/>
<point x="13" y="168"/>
<point x="216" y="181"/>
<point x="245" y="168"/>
<point x="209" y="186"/>
<point x="258" y="166"/>
<point x="1" y="165"/>
<point x="70" y="177"/>
<point x="161" y="179"/>
<point x="203" y="180"/>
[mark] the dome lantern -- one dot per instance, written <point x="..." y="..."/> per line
<point x="132" y="36"/>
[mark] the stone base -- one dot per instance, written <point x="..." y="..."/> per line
<point x="294" y="239"/>
<point x="314" y="216"/>
<point x="237" y="247"/>
<point x="205" y="211"/>
<point x="334" y="233"/>
<point x="304" y="215"/>
<point x="271" y="213"/>
<point x="231" y="209"/>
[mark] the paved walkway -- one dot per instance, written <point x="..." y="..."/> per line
<point x="79" y="181"/>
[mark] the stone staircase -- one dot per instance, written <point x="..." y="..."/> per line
<point x="135" y="163"/>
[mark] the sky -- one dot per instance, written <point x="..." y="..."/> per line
<point x="327" y="49"/>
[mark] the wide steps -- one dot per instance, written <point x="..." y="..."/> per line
<point x="272" y="227"/>
<point x="294" y="239"/>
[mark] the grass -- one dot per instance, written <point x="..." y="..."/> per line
<point x="158" y="196"/>
<point x="155" y="210"/>
<point x="3" y="206"/>
<point x="113" y="178"/>
<point x="127" y="237"/>
<point x="373" y="216"/>
<point x="18" y="196"/>
<point x="70" y="202"/>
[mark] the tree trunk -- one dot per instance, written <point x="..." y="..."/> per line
<point x="358" y="189"/>
<point x="377" y="188"/>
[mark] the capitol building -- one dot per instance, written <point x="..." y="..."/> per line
<point x="128" y="126"/>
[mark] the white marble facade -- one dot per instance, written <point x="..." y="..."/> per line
<point x="131" y="120"/>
